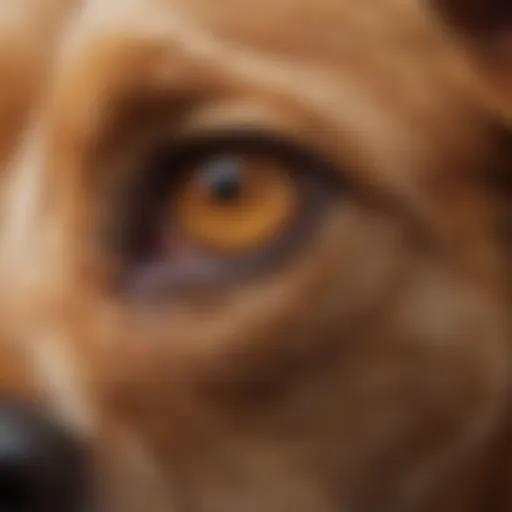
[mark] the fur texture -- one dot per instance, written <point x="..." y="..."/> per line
<point x="371" y="372"/>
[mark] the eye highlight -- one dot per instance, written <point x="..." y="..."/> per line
<point x="234" y="203"/>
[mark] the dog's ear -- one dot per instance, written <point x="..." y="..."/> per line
<point x="484" y="28"/>
<point x="478" y="18"/>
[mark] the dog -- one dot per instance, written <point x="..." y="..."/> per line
<point x="255" y="257"/>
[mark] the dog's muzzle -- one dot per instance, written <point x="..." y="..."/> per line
<point x="42" y="468"/>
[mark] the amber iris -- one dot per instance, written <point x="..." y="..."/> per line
<point x="236" y="203"/>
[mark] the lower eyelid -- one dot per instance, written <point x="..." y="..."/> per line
<point x="189" y="270"/>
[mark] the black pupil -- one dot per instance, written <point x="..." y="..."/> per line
<point x="224" y="180"/>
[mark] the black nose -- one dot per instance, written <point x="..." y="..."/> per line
<point x="41" y="466"/>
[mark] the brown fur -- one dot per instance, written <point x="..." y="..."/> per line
<point x="372" y="372"/>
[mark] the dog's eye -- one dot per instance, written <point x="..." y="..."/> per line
<point x="220" y="207"/>
<point x="234" y="203"/>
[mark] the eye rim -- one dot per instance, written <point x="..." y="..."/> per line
<point x="147" y="195"/>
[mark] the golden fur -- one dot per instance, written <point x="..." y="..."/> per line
<point x="372" y="372"/>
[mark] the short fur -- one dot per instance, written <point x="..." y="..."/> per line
<point x="372" y="372"/>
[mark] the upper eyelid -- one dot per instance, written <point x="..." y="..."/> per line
<point x="158" y="169"/>
<point x="165" y="163"/>
<point x="239" y="139"/>
<point x="165" y="167"/>
<point x="202" y="117"/>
